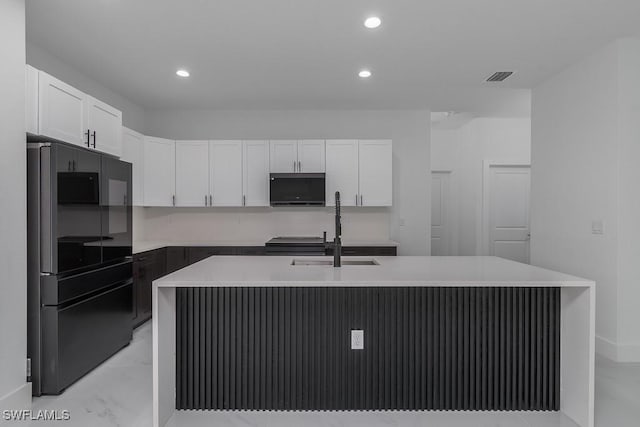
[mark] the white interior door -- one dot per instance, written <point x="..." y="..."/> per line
<point x="342" y="172"/>
<point x="284" y="156"/>
<point x="440" y="214"/>
<point x="509" y="195"/>
<point x="225" y="172"/>
<point x="256" y="173"/>
<point x="192" y="173"/>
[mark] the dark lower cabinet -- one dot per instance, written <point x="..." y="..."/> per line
<point x="151" y="265"/>
<point x="367" y="251"/>
<point x="147" y="267"/>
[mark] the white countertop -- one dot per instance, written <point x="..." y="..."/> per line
<point x="143" y="246"/>
<point x="274" y="271"/>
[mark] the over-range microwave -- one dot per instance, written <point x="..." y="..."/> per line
<point x="297" y="189"/>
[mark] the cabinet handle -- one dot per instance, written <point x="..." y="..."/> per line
<point x="361" y="202"/>
<point x="244" y="200"/>
<point x="69" y="167"/>
<point x="94" y="139"/>
<point x="88" y="137"/>
<point x="356" y="200"/>
<point x="294" y="165"/>
<point x="299" y="166"/>
<point x="173" y="199"/>
<point x="74" y="167"/>
<point x="205" y="200"/>
<point x="210" y="200"/>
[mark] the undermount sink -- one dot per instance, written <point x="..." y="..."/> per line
<point x="329" y="263"/>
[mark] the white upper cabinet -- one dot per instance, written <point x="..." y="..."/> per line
<point x="62" y="111"/>
<point x="105" y="126"/>
<point x="159" y="172"/>
<point x="284" y="156"/>
<point x="255" y="173"/>
<point x="311" y="156"/>
<point x="289" y="156"/>
<point x="342" y="171"/>
<point x="375" y="173"/>
<point x="192" y="173"/>
<point x="59" y="111"/>
<point x="133" y="152"/>
<point x="31" y="100"/>
<point x="225" y="173"/>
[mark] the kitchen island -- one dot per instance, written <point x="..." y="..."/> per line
<point x="439" y="333"/>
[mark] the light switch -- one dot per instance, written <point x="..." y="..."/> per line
<point x="597" y="226"/>
<point x="357" y="339"/>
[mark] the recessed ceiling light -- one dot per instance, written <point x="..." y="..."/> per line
<point x="364" y="74"/>
<point x="372" y="22"/>
<point x="182" y="73"/>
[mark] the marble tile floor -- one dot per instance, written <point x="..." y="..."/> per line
<point x="118" y="393"/>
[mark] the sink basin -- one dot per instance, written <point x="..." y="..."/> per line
<point x="329" y="262"/>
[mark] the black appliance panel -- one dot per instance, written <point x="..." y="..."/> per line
<point x="116" y="209"/>
<point x="287" y="189"/>
<point x="73" y="202"/>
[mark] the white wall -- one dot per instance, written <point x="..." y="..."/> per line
<point x="584" y="169"/>
<point x="132" y="114"/>
<point x="463" y="152"/>
<point x="15" y="393"/>
<point x="410" y="131"/>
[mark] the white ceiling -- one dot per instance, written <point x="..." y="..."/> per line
<point x="281" y="54"/>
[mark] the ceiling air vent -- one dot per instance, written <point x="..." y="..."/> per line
<point x="500" y="76"/>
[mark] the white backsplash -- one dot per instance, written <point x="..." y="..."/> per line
<point x="256" y="224"/>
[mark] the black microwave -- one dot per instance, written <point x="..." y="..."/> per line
<point x="297" y="189"/>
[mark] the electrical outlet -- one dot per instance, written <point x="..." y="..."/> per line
<point x="597" y="226"/>
<point x="357" y="339"/>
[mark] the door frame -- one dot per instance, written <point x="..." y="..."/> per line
<point x="482" y="247"/>
<point x="451" y="211"/>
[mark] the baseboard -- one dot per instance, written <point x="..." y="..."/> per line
<point x="18" y="399"/>
<point x="623" y="353"/>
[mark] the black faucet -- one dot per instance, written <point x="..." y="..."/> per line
<point x="337" y="240"/>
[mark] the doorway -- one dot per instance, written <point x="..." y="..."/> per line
<point x="440" y="213"/>
<point x="506" y="196"/>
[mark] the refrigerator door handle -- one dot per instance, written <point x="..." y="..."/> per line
<point x="48" y="196"/>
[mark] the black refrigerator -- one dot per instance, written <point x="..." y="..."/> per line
<point x="80" y="286"/>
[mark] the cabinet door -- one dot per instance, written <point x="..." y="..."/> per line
<point x="133" y="152"/>
<point x="311" y="156"/>
<point x="31" y="101"/>
<point x="159" y="172"/>
<point x="256" y="173"/>
<point x="284" y="156"/>
<point x="342" y="171"/>
<point x="61" y="112"/>
<point x="105" y="125"/>
<point x="192" y="173"/>
<point x="225" y="173"/>
<point x="375" y="171"/>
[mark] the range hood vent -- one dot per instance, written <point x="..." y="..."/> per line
<point x="500" y="76"/>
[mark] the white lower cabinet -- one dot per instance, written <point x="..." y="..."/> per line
<point x="225" y="173"/>
<point x="159" y="172"/>
<point x="192" y="173"/>
<point x="375" y="172"/>
<point x="255" y="182"/>
<point x="342" y="171"/>
<point x="133" y="152"/>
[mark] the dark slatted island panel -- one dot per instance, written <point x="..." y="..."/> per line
<point x="432" y="348"/>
